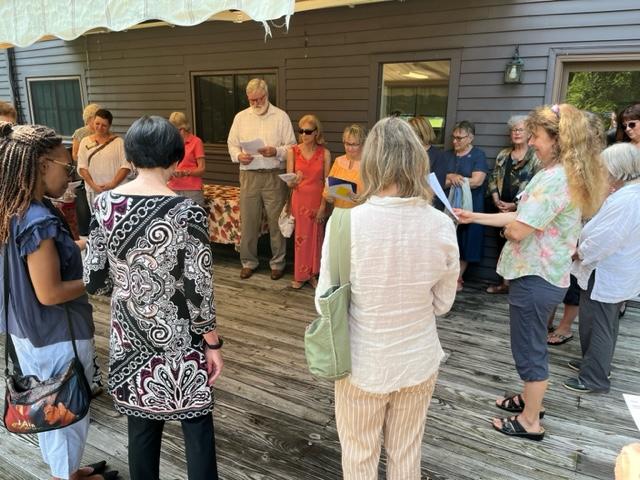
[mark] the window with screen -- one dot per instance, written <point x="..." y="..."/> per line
<point x="56" y="103"/>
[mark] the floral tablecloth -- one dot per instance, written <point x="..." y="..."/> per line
<point x="224" y="214"/>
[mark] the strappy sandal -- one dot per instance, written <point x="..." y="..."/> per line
<point x="313" y="281"/>
<point x="513" y="428"/>
<point x="514" y="403"/>
<point x="297" y="285"/>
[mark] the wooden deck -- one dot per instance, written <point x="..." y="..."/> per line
<point x="274" y="421"/>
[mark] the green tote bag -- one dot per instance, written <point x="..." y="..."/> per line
<point x="326" y="340"/>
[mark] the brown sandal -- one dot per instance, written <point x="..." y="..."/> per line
<point x="297" y="285"/>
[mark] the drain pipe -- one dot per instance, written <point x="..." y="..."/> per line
<point x="13" y="83"/>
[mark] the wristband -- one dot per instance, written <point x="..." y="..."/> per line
<point x="216" y="346"/>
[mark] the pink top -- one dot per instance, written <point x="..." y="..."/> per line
<point x="193" y="149"/>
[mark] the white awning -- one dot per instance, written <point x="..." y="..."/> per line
<point x="24" y="22"/>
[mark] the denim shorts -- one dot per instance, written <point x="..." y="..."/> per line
<point x="531" y="301"/>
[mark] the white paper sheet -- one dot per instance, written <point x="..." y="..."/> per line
<point x="437" y="189"/>
<point x="287" y="177"/>
<point x="252" y="146"/>
<point x="633" y="403"/>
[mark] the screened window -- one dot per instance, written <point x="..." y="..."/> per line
<point x="217" y="99"/>
<point x="417" y="88"/>
<point x="56" y="103"/>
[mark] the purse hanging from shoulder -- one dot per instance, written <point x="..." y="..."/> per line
<point x="32" y="405"/>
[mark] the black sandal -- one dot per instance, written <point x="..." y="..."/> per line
<point x="97" y="467"/>
<point x="513" y="428"/>
<point x="508" y="404"/>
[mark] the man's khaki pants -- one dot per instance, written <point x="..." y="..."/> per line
<point x="362" y="417"/>
<point x="261" y="189"/>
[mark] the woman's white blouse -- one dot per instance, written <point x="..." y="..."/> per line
<point x="404" y="270"/>
<point x="610" y="244"/>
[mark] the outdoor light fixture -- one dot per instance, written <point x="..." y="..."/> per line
<point x="513" y="70"/>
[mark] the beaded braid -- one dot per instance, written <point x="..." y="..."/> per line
<point x="20" y="148"/>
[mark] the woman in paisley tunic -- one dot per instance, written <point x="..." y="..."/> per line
<point x="149" y="249"/>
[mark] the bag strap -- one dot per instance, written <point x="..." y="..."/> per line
<point x="91" y="155"/>
<point x="5" y="281"/>
<point x="340" y="246"/>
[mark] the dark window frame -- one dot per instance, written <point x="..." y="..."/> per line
<point x="238" y="93"/>
<point x="375" y="82"/>
<point x="30" y="81"/>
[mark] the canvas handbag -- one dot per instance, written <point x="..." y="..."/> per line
<point x="326" y="340"/>
<point x="35" y="406"/>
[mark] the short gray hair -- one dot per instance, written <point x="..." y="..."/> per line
<point x="256" y="84"/>
<point x="394" y="155"/>
<point x="89" y="112"/>
<point x="515" y="120"/>
<point x="622" y="161"/>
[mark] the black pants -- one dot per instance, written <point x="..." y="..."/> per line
<point x="145" y="438"/>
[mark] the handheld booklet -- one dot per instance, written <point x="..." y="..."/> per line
<point x="340" y="188"/>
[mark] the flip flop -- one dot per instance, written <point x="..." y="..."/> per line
<point x="563" y="339"/>
<point x="513" y="428"/>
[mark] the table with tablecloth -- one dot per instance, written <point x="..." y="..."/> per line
<point x="224" y="214"/>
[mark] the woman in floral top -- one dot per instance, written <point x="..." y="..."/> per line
<point x="541" y="238"/>
<point x="149" y="249"/>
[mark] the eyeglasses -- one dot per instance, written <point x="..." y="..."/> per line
<point x="351" y="145"/>
<point x="458" y="139"/>
<point x="517" y="130"/>
<point x="69" y="167"/>
<point x="630" y="125"/>
<point x="305" y="131"/>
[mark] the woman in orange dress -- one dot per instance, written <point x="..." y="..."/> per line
<point x="310" y="161"/>
<point x="347" y="167"/>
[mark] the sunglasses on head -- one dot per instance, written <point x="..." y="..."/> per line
<point x="305" y="131"/>
<point x="630" y="125"/>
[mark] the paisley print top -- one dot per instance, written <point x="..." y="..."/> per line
<point x="152" y="255"/>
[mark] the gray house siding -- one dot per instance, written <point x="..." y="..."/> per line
<point x="328" y="62"/>
<point x="5" y="90"/>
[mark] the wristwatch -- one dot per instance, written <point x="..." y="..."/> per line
<point x="216" y="346"/>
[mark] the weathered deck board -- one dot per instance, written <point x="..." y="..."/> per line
<point x="274" y="421"/>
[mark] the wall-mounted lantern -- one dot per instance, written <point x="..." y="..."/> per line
<point x="513" y="70"/>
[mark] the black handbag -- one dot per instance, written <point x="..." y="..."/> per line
<point x="32" y="405"/>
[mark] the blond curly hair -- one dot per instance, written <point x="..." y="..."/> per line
<point x="578" y="148"/>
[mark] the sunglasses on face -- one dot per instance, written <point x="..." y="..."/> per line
<point x="458" y="139"/>
<point x="304" y="131"/>
<point x="630" y="125"/>
<point x="69" y="167"/>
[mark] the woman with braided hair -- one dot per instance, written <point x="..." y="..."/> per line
<point x="542" y="235"/>
<point x="44" y="280"/>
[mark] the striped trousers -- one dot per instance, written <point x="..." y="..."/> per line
<point x="363" y="418"/>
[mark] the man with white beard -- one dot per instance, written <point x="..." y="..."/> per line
<point x="260" y="186"/>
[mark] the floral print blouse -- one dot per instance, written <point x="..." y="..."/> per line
<point x="152" y="254"/>
<point x="544" y="205"/>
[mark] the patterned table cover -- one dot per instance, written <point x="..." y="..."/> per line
<point x="224" y="214"/>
